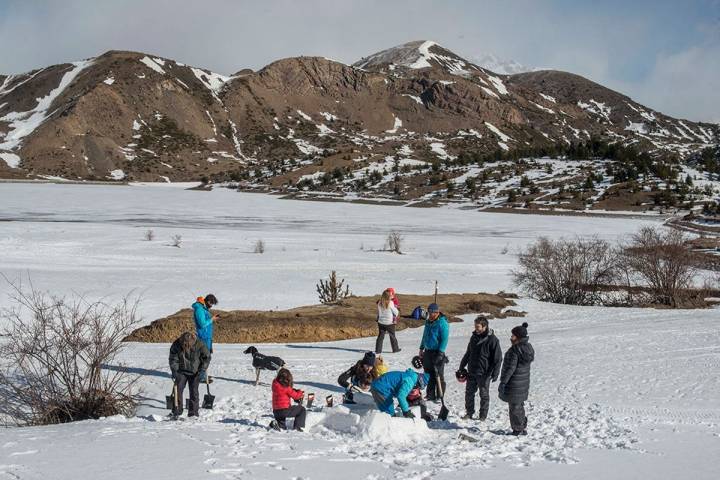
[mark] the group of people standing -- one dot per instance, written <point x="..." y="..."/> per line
<point x="481" y="365"/>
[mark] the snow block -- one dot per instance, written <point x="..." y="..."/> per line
<point x="369" y="424"/>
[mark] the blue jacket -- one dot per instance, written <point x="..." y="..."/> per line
<point x="203" y="323"/>
<point x="395" y="385"/>
<point x="435" y="336"/>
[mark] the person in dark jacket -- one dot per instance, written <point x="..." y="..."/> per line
<point x="432" y="350"/>
<point x="482" y="359"/>
<point x="515" y="378"/>
<point x="189" y="360"/>
<point x="352" y="376"/>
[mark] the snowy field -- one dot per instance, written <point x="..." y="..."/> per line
<point x="616" y="393"/>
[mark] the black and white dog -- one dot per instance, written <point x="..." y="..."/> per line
<point x="263" y="362"/>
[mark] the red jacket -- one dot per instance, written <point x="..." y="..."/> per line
<point x="281" y="395"/>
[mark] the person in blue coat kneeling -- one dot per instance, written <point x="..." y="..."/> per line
<point x="398" y="385"/>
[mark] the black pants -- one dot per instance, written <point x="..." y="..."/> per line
<point x="518" y="420"/>
<point x="296" y="411"/>
<point x="382" y="329"/>
<point x="434" y="365"/>
<point x="475" y="383"/>
<point x="193" y="381"/>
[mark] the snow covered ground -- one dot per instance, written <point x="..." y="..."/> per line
<point x="621" y="393"/>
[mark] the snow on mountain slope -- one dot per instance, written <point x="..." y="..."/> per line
<point x="23" y="124"/>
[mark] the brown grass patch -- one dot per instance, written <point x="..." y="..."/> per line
<point x="354" y="318"/>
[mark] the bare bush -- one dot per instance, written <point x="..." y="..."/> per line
<point x="55" y="360"/>
<point x="394" y="242"/>
<point x="566" y="271"/>
<point x="662" y="260"/>
<point x="332" y="291"/>
<point x="150" y="235"/>
<point x="176" y="241"/>
<point x="259" y="247"/>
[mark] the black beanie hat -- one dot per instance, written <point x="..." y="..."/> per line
<point x="520" y="331"/>
<point x="369" y="359"/>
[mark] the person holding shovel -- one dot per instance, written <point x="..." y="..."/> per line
<point x="189" y="360"/>
<point x="432" y="351"/>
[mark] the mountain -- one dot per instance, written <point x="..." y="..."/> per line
<point x="396" y="113"/>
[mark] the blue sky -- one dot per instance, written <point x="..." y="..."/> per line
<point x="664" y="54"/>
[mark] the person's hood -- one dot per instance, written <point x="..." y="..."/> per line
<point x="525" y="351"/>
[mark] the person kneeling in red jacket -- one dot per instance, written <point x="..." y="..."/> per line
<point x="282" y="393"/>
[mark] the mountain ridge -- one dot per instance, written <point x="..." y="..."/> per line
<point x="134" y="116"/>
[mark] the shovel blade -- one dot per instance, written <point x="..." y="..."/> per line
<point x="443" y="413"/>
<point x="170" y="402"/>
<point x="208" y="401"/>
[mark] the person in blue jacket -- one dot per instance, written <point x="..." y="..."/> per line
<point x="398" y="385"/>
<point x="432" y="350"/>
<point x="204" y="321"/>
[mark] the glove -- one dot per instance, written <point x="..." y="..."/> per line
<point x="494" y="378"/>
<point x="409" y="414"/>
<point x="174" y="374"/>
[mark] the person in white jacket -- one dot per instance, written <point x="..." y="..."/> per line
<point x="387" y="314"/>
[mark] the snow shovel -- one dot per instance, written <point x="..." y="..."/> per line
<point x="208" y="400"/>
<point x="170" y="400"/>
<point x="443" y="410"/>
<point x="310" y="399"/>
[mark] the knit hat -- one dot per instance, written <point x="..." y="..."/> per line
<point x="423" y="379"/>
<point x="520" y="331"/>
<point x="433" y="307"/>
<point x="369" y="359"/>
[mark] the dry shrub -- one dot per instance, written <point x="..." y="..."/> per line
<point x="259" y="247"/>
<point x="662" y="260"/>
<point x="332" y="291"/>
<point x="55" y="359"/>
<point x="566" y="271"/>
<point x="394" y="242"/>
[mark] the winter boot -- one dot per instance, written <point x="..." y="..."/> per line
<point x="274" y="425"/>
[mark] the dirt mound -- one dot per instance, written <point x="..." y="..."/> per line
<point x="317" y="323"/>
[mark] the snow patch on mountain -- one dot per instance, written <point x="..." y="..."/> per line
<point x="12" y="160"/>
<point x="497" y="132"/>
<point x="213" y="81"/>
<point x="397" y="123"/>
<point x="151" y="64"/>
<point x="23" y="124"/>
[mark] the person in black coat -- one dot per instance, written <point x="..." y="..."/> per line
<point x="361" y="370"/>
<point x="482" y="359"/>
<point x="515" y="378"/>
<point x="189" y="360"/>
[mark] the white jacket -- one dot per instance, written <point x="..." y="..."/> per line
<point x="386" y="316"/>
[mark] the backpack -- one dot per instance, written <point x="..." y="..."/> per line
<point x="418" y="313"/>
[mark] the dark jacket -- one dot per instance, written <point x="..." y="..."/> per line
<point x="345" y="379"/>
<point x="192" y="362"/>
<point x="483" y="355"/>
<point x="515" y="377"/>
